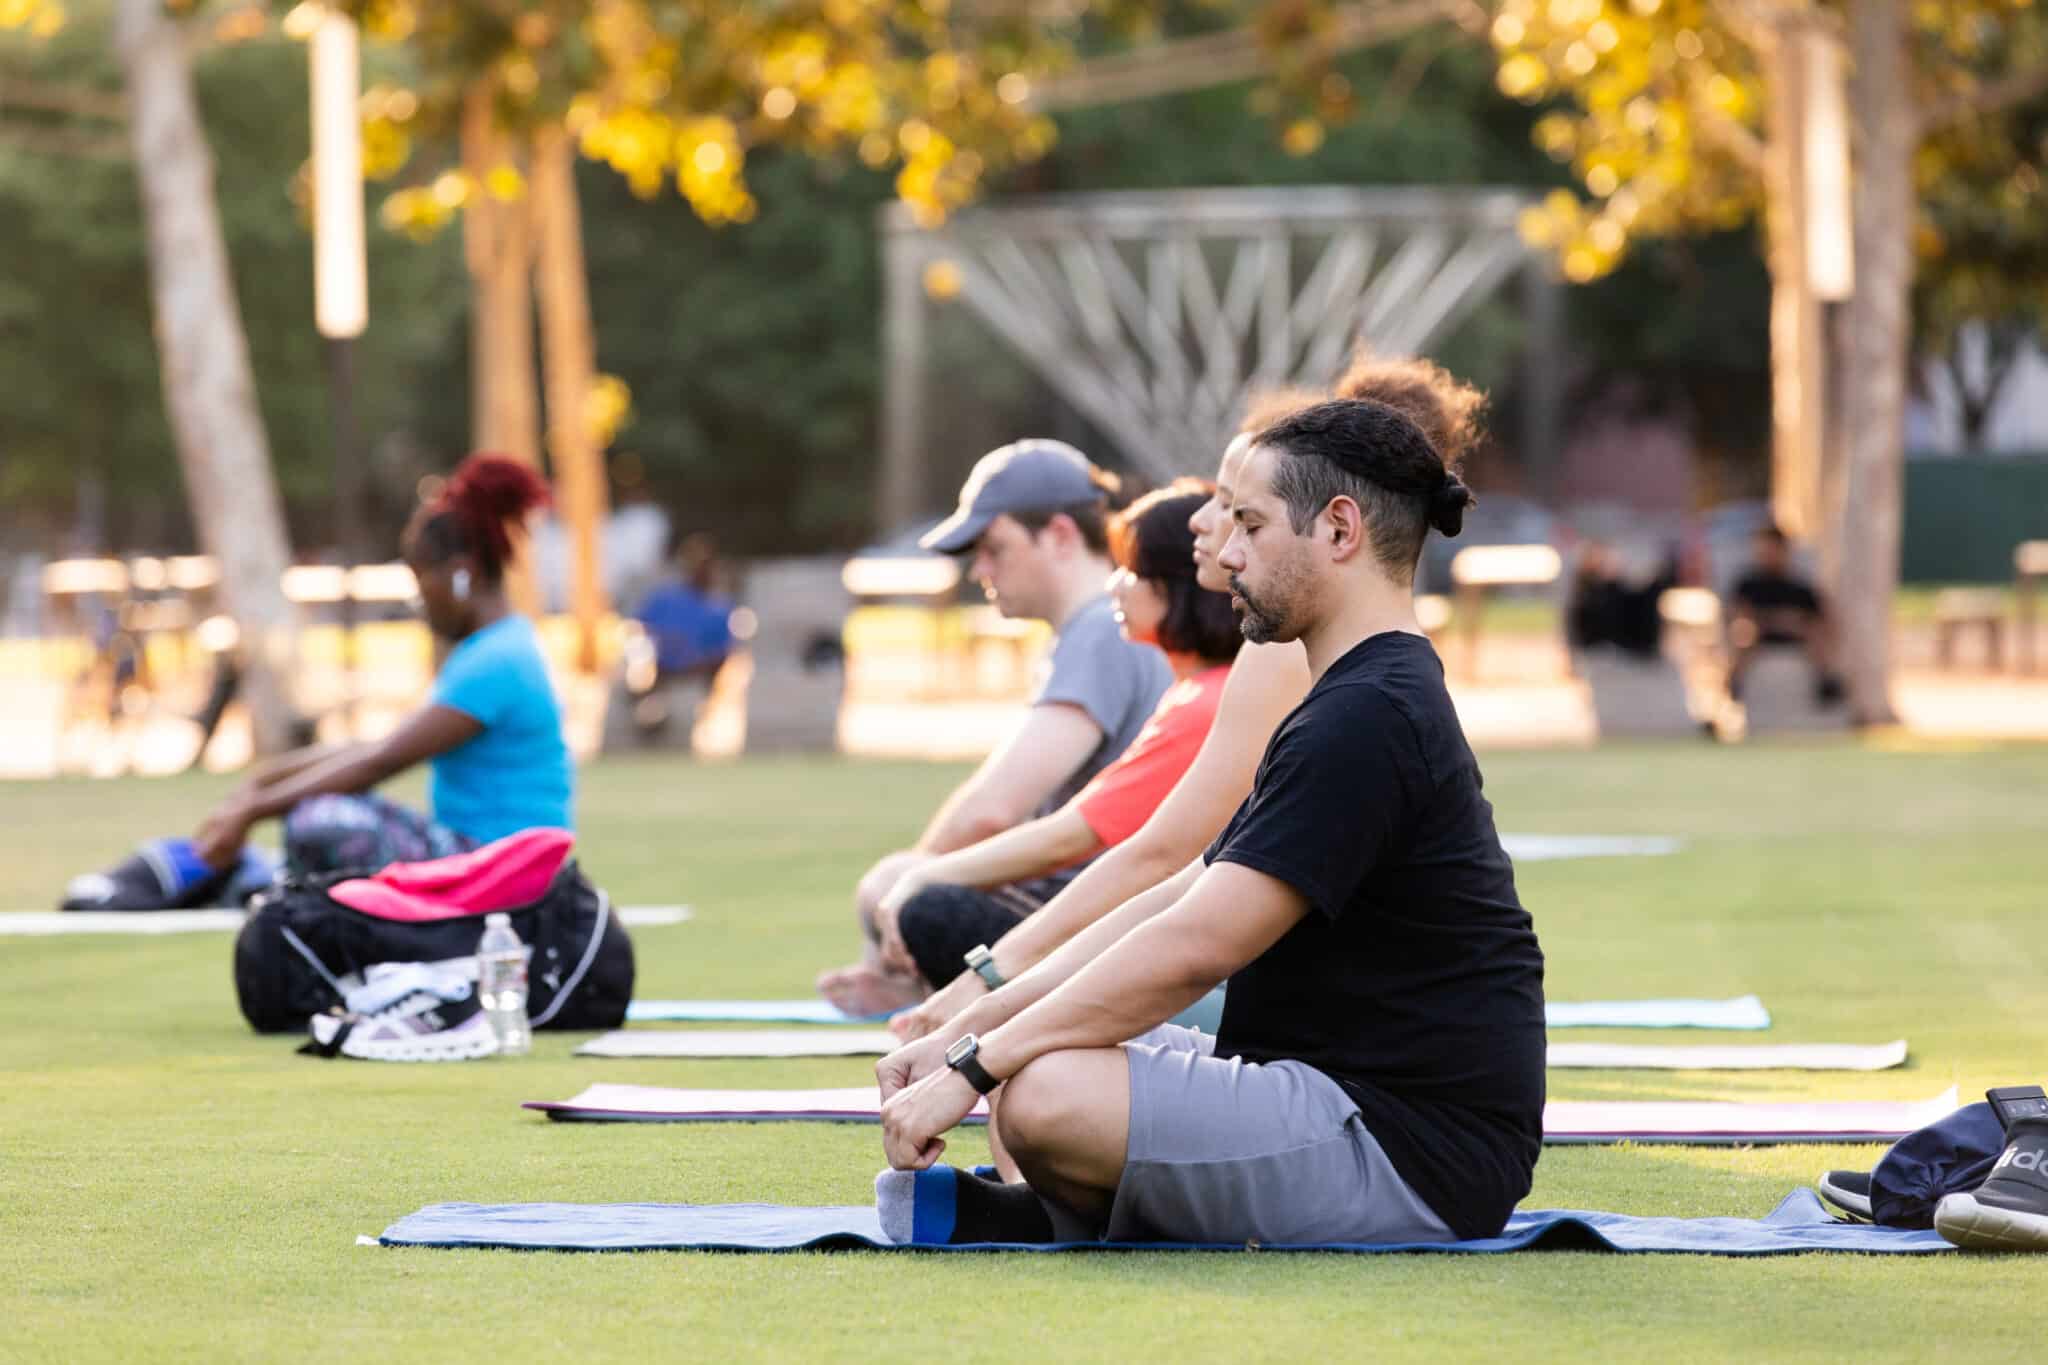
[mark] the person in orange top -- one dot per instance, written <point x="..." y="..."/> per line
<point x="959" y="900"/>
<point x="1266" y="682"/>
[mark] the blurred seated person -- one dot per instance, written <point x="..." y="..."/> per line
<point x="689" y="618"/>
<point x="1606" y="610"/>
<point x="1033" y="524"/>
<point x="942" y="908"/>
<point x="1771" y="606"/>
<point x="490" y="732"/>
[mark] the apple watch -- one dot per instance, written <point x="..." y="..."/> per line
<point x="982" y="963"/>
<point x="964" y="1057"/>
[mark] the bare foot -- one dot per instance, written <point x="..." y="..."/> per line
<point x="864" y="990"/>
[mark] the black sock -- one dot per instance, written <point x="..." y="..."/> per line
<point x="990" y="1211"/>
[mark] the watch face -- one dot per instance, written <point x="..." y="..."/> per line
<point x="961" y="1050"/>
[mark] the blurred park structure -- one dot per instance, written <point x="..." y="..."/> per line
<point x="781" y="272"/>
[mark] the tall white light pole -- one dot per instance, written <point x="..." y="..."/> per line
<point x="341" y="305"/>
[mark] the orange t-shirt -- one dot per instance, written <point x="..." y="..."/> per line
<point x="1123" y="795"/>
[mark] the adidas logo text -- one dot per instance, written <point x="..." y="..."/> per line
<point x="2034" y="1160"/>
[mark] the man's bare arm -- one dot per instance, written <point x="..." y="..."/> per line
<point x="1229" y="916"/>
<point x="1048" y="748"/>
<point x="1265" y="684"/>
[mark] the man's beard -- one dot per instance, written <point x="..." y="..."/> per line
<point x="1260" y="625"/>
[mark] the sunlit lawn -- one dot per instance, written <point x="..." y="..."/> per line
<point x="172" y="1186"/>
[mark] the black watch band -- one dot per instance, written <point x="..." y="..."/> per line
<point x="964" y="1057"/>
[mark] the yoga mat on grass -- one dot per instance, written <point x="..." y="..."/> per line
<point x="1744" y="1012"/>
<point x="875" y="1042"/>
<point x="741" y="1012"/>
<point x="1799" y="1224"/>
<point x="1686" y="1122"/>
<point x="661" y="1104"/>
<point x="772" y="1042"/>
<point x="41" y="923"/>
<point x="1729" y="1057"/>
<point x="1547" y="848"/>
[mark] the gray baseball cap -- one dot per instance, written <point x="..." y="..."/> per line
<point x="1032" y="475"/>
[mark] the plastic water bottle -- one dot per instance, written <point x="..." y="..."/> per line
<point x="501" y="985"/>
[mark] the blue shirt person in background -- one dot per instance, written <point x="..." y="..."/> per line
<point x="490" y="733"/>
<point x="688" y="618"/>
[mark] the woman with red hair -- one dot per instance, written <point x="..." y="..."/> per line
<point x="490" y="733"/>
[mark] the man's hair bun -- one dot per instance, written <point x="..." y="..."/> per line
<point x="1447" y="507"/>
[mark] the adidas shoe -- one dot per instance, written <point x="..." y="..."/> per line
<point x="424" y="1027"/>
<point x="2009" y="1211"/>
<point x="1848" y="1191"/>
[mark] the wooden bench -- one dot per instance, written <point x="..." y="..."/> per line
<point x="2030" y="569"/>
<point x="1958" y="609"/>
<point x="1480" y="567"/>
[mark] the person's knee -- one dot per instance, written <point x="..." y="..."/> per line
<point x="878" y="882"/>
<point x="1039" y="1104"/>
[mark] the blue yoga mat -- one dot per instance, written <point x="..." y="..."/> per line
<point x="742" y="1012"/>
<point x="1745" y="1012"/>
<point x="1798" y="1224"/>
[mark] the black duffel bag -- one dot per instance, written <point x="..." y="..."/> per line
<point x="302" y="950"/>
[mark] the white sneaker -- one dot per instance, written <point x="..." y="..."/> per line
<point x="420" y="1028"/>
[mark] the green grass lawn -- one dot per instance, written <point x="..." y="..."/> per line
<point x="172" y="1186"/>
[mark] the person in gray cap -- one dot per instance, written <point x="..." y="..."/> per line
<point x="1034" y="517"/>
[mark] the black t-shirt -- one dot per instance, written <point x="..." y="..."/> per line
<point x="1415" y="982"/>
<point x="1775" y="592"/>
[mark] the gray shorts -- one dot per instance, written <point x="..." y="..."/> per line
<point x="1235" y="1151"/>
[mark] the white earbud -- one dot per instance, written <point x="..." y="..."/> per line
<point x="461" y="585"/>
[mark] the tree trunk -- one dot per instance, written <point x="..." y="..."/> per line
<point x="504" y="412"/>
<point x="1874" y="338"/>
<point x="569" y="357"/>
<point x="204" y="358"/>
<point x="1798" y="339"/>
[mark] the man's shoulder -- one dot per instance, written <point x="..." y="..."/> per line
<point x="1393" y="708"/>
<point x="1398" y="673"/>
<point x="1089" y="624"/>
<point x="1347" y="714"/>
<point x="1090" y="642"/>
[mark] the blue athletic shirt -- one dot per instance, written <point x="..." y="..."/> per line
<point x="514" y="775"/>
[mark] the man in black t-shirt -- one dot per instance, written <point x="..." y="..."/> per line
<point x="1773" y="607"/>
<point x="1379" y="1072"/>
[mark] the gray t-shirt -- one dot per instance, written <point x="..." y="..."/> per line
<point x="1117" y="683"/>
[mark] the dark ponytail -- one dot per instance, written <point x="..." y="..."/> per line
<point x="1447" y="507"/>
<point x="478" y="509"/>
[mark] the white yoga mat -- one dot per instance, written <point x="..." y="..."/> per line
<point x="1731" y="1057"/>
<point x="875" y="1042"/>
<point x="746" y="1042"/>
<point x="1550" y="848"/>
<point x="1744" y="1012"/>
<point x="1696" y="1122"/>
<point x="46" y="922"/>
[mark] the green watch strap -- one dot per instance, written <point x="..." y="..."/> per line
<point x="982" y="963"/>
